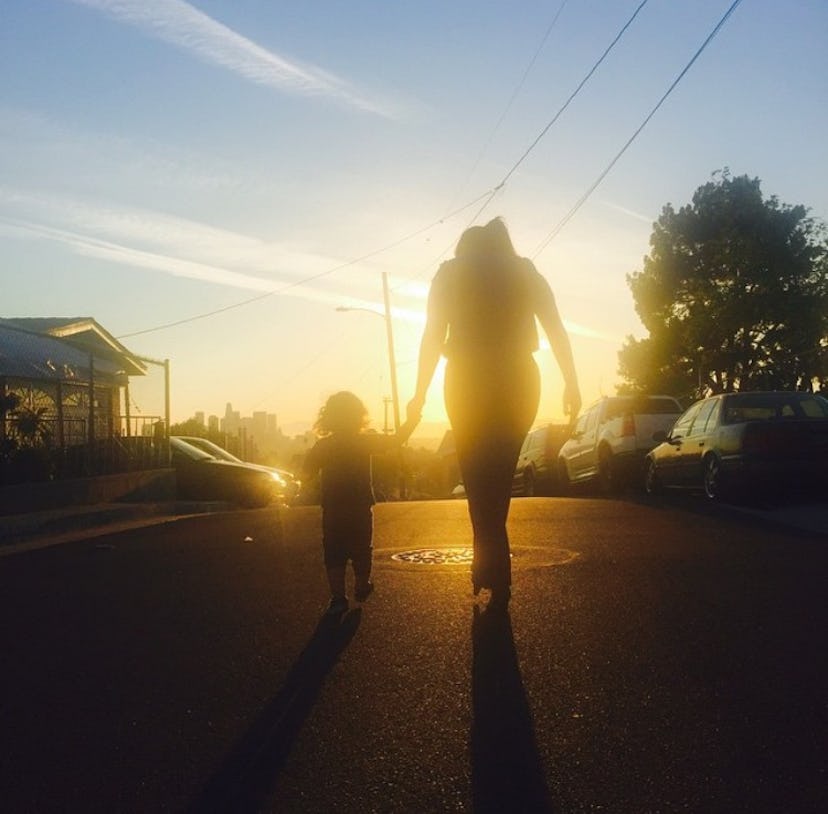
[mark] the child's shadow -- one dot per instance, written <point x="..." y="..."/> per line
<point x="248" y="774"/>
<point x="507" y="773"/>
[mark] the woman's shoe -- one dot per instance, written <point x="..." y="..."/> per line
<point x="499" y="602"/>
<point x="337" y="606"/>
<point x="362" y="593"/>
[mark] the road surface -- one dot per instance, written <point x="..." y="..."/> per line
<point x="656" y="658"/>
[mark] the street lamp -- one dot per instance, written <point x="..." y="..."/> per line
<point x="395" y="399"/>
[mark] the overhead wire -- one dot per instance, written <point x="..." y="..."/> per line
<point x="490" y="195"/>
<point x="305" y="280"/>
<point x="487" y="196"/>
<point x="595" y="184"/>
<point x="515" y="93"/>
<point x="557" y="115"/>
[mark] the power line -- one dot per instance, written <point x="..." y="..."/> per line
<point x="515" y="93"/>
<point x="582" y="200"/>
<point x="563" y="107"/>
<point x="305" y="280"/>
<point x="488" y="196"/>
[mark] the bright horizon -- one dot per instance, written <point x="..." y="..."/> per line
<point x="164" y="162"/>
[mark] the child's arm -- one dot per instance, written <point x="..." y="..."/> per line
<point x="378" y="444"/>
<point x="405" y="430"/>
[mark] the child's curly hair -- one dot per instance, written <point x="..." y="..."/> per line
<point x="343" y="412"/>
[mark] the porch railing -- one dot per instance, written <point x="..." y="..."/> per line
<point x="27" y="457"/>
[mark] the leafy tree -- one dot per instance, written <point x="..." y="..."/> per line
<point x="734" y="294"/>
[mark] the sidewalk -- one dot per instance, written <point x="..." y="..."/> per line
<point x="20" y="532"/>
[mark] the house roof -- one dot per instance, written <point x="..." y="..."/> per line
<point x="85" y="334"/>
<point x="31" y="355"/>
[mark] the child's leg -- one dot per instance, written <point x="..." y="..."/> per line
<point x="336" y="555"/>
<point x="363" y="555"/>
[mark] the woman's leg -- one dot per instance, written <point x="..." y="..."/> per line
<point x="490" y="411"/>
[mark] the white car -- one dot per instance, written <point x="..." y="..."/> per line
<point x="612" y="437"/>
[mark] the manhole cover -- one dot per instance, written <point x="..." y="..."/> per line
<point x="435" y="556"/>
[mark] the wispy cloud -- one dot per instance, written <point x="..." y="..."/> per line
<point x="159" y="243"/>
<point x="189" y="29"/>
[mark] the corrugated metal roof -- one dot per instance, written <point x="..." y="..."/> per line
<point x="28" y="355"/>
<point x="86" y="334"/>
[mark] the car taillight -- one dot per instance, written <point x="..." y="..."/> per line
<point x="628" y="425"/>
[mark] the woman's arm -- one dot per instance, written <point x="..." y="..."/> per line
<point x="547" y="311"/>
<point x="431" y="347"/>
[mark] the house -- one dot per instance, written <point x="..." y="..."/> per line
<point x="64" y="401"/>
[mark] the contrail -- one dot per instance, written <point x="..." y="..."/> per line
<point x="189" y="29"/>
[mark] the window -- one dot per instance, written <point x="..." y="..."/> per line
<point x="682" y="426"/>
<point x="703" y="417"/>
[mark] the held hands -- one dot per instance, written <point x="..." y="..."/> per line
<point x="414" y="410"/>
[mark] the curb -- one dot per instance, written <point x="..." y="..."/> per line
<point x="56" y="523"/>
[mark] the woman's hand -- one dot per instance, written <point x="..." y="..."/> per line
<point x="572" y="402"/>
<point x="414" y="409"/>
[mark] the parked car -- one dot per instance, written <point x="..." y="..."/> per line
<point x="739" y="444"/>
<point x="536" y="472"/>
<point x="289" y="484"/>
<point x="200" y="476"/>
<point x="612" y="437"/>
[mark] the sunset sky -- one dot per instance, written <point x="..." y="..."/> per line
<point x="211" y="180"/>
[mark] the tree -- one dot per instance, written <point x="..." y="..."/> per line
<point x="734" y="294"/>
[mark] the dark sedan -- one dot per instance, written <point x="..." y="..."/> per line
<point x="200" y="476"/>
<point x="757" y="444"/>
<point x="289" y="484"/>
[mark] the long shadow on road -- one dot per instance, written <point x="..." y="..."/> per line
<point x="247" y="776"/>
<point x="507" y="773"/>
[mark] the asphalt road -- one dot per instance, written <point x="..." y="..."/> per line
<point x="657" y="658"/>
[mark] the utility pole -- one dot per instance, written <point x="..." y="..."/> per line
<point x="395" y="397"/>
<point x="390" y="334"/>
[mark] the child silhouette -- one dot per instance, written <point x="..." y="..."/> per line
<point x="342" y="460"/>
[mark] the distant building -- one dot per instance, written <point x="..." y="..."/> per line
<point x="231" y="423"/>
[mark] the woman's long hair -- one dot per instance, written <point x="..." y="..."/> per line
<point x="491" y="241"/>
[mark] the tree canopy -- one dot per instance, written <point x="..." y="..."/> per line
<point x="734" y="294"/>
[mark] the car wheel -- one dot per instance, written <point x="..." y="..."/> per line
<point x="652" y="482"/>
<point x="712" y="477"/>
<point x="607" y="475"/>
<point x="528" y="483"/>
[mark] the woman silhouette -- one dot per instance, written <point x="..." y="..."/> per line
<point x="481" y="315"/>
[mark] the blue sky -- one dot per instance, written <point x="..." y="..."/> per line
<point x="161" y="160"/>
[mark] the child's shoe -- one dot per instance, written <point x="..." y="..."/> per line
<point x="337" y="606"/>
<point x="361" y="594"/>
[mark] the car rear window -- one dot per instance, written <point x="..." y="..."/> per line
<point x="766" y="406"/>
<point x="642" y="405"/>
